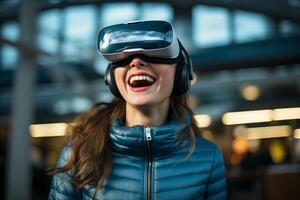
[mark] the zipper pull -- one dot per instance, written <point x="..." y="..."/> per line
<point x="148" y="133"/>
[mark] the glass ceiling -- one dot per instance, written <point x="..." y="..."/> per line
<point x="71" y="32"/>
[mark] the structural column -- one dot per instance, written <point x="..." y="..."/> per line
<point x="18" y="179"/>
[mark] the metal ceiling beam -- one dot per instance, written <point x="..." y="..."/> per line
<point x="268" y="53"/>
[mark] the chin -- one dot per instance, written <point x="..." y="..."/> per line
<point x="139" y="101"/>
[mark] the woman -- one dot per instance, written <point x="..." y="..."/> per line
<point x="145" y="144"/>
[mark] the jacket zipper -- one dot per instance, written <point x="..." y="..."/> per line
<point x="149" y="169"/>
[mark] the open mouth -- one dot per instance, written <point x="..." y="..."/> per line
<point x="137" y="81"/>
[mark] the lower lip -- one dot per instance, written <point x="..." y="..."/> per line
<point x="140" y="89"/>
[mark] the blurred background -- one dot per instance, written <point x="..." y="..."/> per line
<point x="245" y="93"/>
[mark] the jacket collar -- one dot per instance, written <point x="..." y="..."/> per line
<point x="164" y="139"/>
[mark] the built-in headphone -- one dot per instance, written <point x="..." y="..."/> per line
<point x="182" y="81"/>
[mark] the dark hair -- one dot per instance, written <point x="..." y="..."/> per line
<point x="89" y="134"/>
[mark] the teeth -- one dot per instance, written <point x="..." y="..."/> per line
<point x="135" y="78"/>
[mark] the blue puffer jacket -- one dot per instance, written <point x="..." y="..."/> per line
<point x="152" y="163"/>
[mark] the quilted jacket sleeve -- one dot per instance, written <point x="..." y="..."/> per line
<point x="217" y="189"/>
<point x="61" y="186"/>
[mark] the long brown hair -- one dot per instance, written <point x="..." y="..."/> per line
<point x="90" y="158"/>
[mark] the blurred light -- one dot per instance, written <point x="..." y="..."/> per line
<point x="246" y="117"/>
<point x="207" y="135"/>
<point x="240" y="145"/>
<point x="277" y="152"/>
<point x="268" y="132"/>
<point x="286" y="113"/>
<point x="256" y="116"/>
<point x="194" y="81"/>
<point x="203" y="120"/>
<point x="250" y="92"/>
<point x="297" y="134"/>
<point x="48" y="130"/>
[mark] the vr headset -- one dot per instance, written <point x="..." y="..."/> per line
<point x="153" y="41"/>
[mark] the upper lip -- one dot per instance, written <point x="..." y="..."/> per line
<point x="140" y="74"/>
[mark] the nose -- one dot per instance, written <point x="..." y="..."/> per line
<point x="137" y="62"/>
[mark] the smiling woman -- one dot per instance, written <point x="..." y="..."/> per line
<point x="143" y="83"/>
<point x="145" y="144"/>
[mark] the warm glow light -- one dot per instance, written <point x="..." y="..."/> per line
<point x="268" y="132"/>
<point x="203" y="120"/>
<point x="240" y="145"/>
<point x="256" y="116"/>
<point x="208" y="135"/>
<point x="250" y="92"/>
<point x="246" y="117"/>
<point x="286" y="113"/>
<point x="48" y="130"/>
<point x="277" y="151"/>
<point x="297" y="134"/>
<point x="194" y="78"/>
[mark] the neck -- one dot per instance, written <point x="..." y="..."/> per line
<point x="149" y="116"/>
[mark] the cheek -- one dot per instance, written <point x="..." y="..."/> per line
<point x="168" y="78"/>
<point x="119" y="78"/>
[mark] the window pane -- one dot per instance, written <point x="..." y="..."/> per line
<point x="80" y="23"/>
<point x="9" y="57"/>
<point x="250" y="26"/>
<point x="118" y="13"/>
<point x="49" y="26"/>
<point x="49" y="22"/>
<point x="80" y="30"/>
<point x="48" y="44"/>
<point x="11" y="31"/>
<point x="156" y="11"/>
<point x="9" y="54"/>
<point x="70" y="49"/>
<point x="210" y="26"/>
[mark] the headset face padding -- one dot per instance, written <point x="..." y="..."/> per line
<point x="182" y="81"/>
